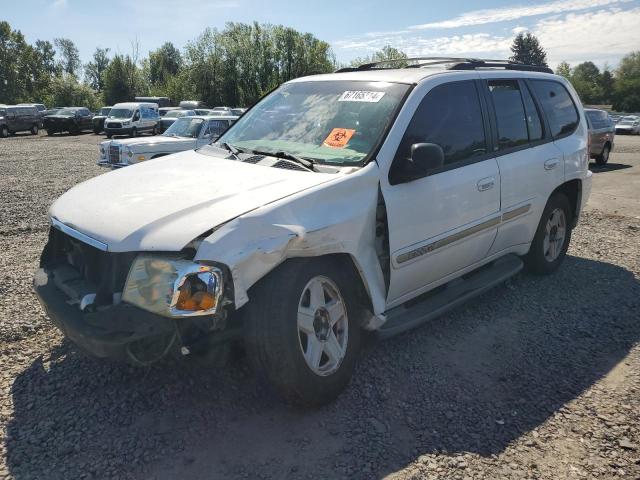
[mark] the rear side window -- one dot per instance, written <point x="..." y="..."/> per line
<point x="510" y="114"/>
<point x="449" y="116"/>
<point x="534" y="124"/>
<point x="557" y="105"/>
<point x="599" y="119"/>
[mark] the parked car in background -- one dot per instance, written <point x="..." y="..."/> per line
<point x="192" y="104"/>
<point x="629" y="125"/>
<point x="160" y="101"/>
<point x="162" y="111"/>
<point x="171" y="116"/>
<point x="51" y="111"/>
<point x="38" y="106"/>
<point x="98" y="120"/>
<point x="132" y="118"/>
<point x="238" y="111"/>
<point x="367" y="199"/>
<point x="18" y="118"/>
<point x="69" y="119"/>
<point x="186" y="133"/>
<point x="602" y="132"/>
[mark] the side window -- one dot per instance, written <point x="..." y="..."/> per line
<point x="534" y="123"/>
<point x="510" y="115"/>
<point x="557" y="105"/>
<point x="449" y="116"/>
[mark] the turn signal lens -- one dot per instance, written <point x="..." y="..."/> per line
<point x="197" y="292"/>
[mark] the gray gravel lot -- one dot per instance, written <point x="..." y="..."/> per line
<point x="540" y="378"/>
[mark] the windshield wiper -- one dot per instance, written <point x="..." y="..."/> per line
<point x="232" y="149"/>
<point x="305" y="162"/>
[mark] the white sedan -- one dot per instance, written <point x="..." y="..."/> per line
<point x="629" y="125"/>
<point x="187" y="133"/>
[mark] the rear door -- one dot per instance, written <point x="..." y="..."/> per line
<point x="531" y="165"/>
<point x="447" y="220"/>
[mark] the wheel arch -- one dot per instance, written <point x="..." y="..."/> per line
<point x="572" y="189"/>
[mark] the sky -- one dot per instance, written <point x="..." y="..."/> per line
<point x="571" y="30"/>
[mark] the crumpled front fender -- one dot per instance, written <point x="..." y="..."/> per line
<point x="335" y="217"/>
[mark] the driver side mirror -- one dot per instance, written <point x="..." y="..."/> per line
<point x="136" y="116"/>
<point x="425" y="158"/>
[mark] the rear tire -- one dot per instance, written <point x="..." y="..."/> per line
<point x="552" y="238"/>
<point x="34" y="130"/>
<point x="50" y="132"/>
<point x="305" y="295"/>
<point x="603" y="158"/>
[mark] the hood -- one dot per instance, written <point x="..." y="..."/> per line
<point x="149" y="141"/>
<point x="164" y="204"/>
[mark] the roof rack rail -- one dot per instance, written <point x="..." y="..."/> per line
<point x="458" y="63"/>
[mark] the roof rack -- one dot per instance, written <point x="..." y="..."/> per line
<point x="455" y="63"/>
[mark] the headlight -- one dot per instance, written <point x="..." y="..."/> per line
<point x="173" y="287"/>
<point x="103" y="151"/>
<point x="129" y="152"/>
<point x="125" y="123"/>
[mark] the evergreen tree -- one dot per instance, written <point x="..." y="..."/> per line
<point x="527" y="49"/>
<point x="94" y="70"/>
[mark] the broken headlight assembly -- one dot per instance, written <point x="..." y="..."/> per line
<point x="173" y="288"/>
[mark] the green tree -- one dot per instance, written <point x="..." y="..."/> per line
<point x="564" y="69"/>
<point x="66" y="90"/>
<point x="164" y="63"/>
<point x="386" y="53"/>
<point x="94" y="71"/>
<point x="69" y="56"/>
<point x="606" y="84"/>
<point x="626" y="96"/>
<point x="123" y="80"/>
<point x="585" y="78"/>
<point x="527" y="49"/>
<point x="15" y="57"/>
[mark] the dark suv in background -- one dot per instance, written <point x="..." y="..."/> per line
<point x="18" y="118"/>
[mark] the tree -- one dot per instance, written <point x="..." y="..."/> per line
<point x="626" y="96"/>
<point x="66" y="90"/>
<point x="606" y="84"/>
<point x="164" y="63"/>
<point x="94" y="70"/>
<point x="70" y="57"/>
<point x="122" y="80"/>
<point x="564" y="69"/>
<point x="387" y="53"/>
<point x="585" y="78"/>
<point x="527" y="49"/>
<point x="14" y="71"/>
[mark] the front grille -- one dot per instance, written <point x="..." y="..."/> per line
<point x="115" y="125"/>
<point x="103" y="273"/>
<point x="114" y="154"/>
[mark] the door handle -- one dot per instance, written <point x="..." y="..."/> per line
<point x="551" y="164"/>
<point x="486" y="184"/>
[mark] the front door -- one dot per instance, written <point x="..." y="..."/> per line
<point x="447" y="220"/>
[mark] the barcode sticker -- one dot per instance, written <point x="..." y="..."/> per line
<point x="361" y="96"/>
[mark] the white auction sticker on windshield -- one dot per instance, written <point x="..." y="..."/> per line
<point x="361" y="96"/>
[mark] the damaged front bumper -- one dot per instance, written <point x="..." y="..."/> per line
<point x="108" y="332"/>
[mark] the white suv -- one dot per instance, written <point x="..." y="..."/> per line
<point x="373" y="198"/>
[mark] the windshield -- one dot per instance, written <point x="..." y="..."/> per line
<point x="334" y="122"/>
<point x="120" y="113"/>
<point x="185" y="127"/>
<point x="66" y="111"/>
<point x="105" y="110"/>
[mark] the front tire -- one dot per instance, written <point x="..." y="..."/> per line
<point x="4" y="132"/>
<point x="603" y="158"/>
<point x="50" y="132"/>
<point x="134" y="133"/>
<point x="109" y="135"/>
<point x="552" y="238"/>
<point x="34" y="130"/>
<point x="302" y="330"/>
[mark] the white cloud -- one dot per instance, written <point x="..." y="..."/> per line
<point x="600" y="36"/>
<point x="59" y="4"/>
<point x="481" y="17"/>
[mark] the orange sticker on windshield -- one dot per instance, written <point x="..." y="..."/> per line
<point x="339" y="137"/>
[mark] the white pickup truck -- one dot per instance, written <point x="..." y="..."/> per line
<point x="186" y="133"/>
<point x="368" y="199"/>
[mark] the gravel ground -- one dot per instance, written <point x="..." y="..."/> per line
<point x="540" y="378"/>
